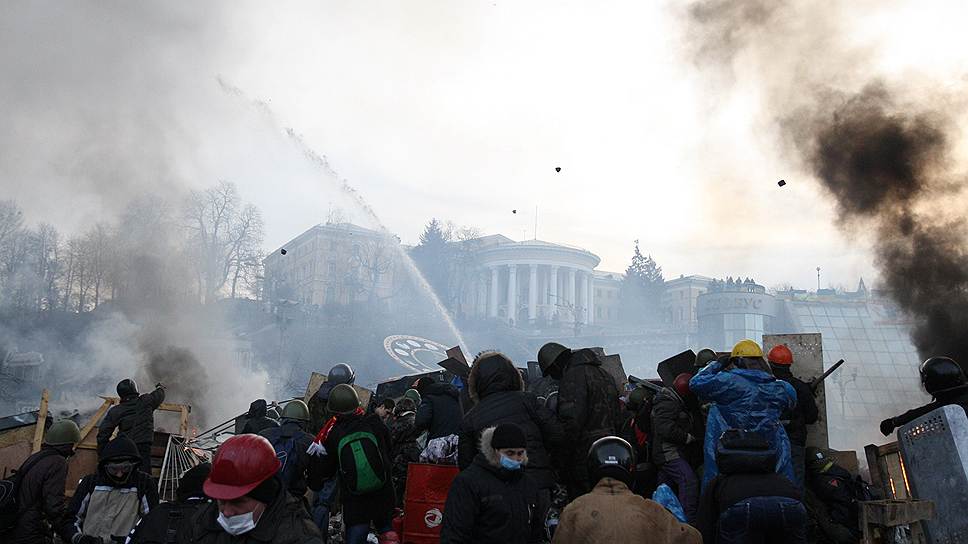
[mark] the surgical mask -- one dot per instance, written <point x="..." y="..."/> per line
<point x="237" y="525"/>
<point x="510" y="464"/>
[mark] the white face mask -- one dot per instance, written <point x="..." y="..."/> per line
<point x="237" y="525"/>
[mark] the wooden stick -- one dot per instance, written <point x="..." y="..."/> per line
<point x="94" y="420"/>
<point x="41" y="421"/>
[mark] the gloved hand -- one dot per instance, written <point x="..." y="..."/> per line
<point x="887" y="426"/>
<point x="86" y="539"/>
<point x="160" y="385"/>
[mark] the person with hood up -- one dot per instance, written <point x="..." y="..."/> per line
<point x="163" y="523"/>
<point x="291" y="442"/>
<point x="497" y="390"/>
<point x="943" y="379"/>
<point x="133" y="417"/>
<point x="675" y="430"/>
<point x="40" y="500"/>
<point x="439" y="413"/>
<point x="258" y="418"/>
<point x="588" y="406"/>
<point x="805" y="413"/>
<point x="109" y="503"/>
<point x="611" y="512"/>
<point x="743" y="394"/>
<point x="404" y="448"/>
<point x="493" y="500"/>
<point x="250" y="503"/>
<point x="355" y="447"/>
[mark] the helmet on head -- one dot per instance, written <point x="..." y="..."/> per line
<point x="62" y="433"/>
<point x="296" y="409"/>
<point x="780" y="355"/>
<point x="549" y="355"/>
<point x="413" y="395"/>
<point x="940" y="373"/>
<point x="343" y="399"/>
<point x="240" y="465"/>
<point x="704" y="357"/>
<point x="341" y="373"/>
<point x="816" y="460"/>
<point x="746" y="348"/>
<point x="127" y="388"/>
<point x="636" y="398"/>
<point x="610" y="457"/>
<point x="681" y="385"/>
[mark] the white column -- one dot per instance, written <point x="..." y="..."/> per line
<point x="571" y="294"/>
<point x="533" y="294"/>
<point x="481" y="304"/>
<point x="553" y="286"/>
<point x="586" y="296"/>
<point x="512" y="293"/>
<point x="494" y="285"/>
<point x="591" y="297"/>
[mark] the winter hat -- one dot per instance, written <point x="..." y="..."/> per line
<point x="190" y="483"/>
<point x="508" y="435"/>
<point x="413" y="395"/>
<point x="266" y="491"/>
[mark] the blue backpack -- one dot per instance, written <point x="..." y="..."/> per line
<point x="285" y="447"/>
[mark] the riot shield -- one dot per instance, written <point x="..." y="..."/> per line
<point x="934" y="449"/>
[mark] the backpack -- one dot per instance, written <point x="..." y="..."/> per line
<point x="361" y="463"/>
<point x="285" y="447"/>
<point x="10" y="492"/>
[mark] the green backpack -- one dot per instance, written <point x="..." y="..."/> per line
<point x="361" y="464"/>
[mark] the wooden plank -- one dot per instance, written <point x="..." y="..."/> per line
<point x="95" y="419"/>
<point x="873" y="464"/>
<point x="889" y="513"/>
<point x="41" y="421"/>
<point x="184" y="421"/>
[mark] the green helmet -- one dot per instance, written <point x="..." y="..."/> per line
<point x="413" y="395"/>
<point x="63" y="433"/>
<point x="296" y="409"/>
<point x="343" y="399"/>
<point x="704" y="357"/>
<point x="636" y="398"/>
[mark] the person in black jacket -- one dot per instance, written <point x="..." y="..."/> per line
<point x="942" y="378"/>
<point x="162" y="524"/>
<point x="805" y="413"/>
<point x="674" y="426"/>
<point x="291" y="443"/>
<point x="41" y="499"/>
<point x="439" y="414"/>
<point x="493" y="500"/>
<point x="638" y="433"/>
<point x="258" y="418"/>
<point x="109" y="503"/>
<point x="588" y="407"/>
<point x="134" y="417"/>
<point x="748" y="501"/>
<point x="497" y="389"/>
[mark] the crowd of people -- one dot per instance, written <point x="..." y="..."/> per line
<point x="718" y="456"/>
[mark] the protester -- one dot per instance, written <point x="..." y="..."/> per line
<point x="748" y="502"/>
<point x="588" y="406"/>
<point x="413" y="395"/>
<point x="805" y="413"/>
<point x="704" y="357"/>
<point x="439" y="413"/>
<point x="258" y="418"/>
<point x="164" y="523"/>
<point x="944" y="380"/>
<point x="497" y="390"/>
<point x="325" y="497"/>
<point x="355" y="447"/>
<point x="493" y="500"/>
<point x="251" y="504"/>
<point x="385" y="409"/>
<point x="134" y="417"/>
<point x="840" y="492"/>
<point x="109" y="503"/>
<point x="611" y="512"/>
<point x="743" y="394"/>
<point x="291" y="443"/>
<point x="638" y="433"/>
<point x="404" y="448"/>
<point x="675" y="429"/>
<point x="40" y="499"/>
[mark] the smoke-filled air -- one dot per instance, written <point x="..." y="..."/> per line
<point x="716" y="234"/>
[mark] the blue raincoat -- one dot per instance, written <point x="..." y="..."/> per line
<point x="743" y="399"/>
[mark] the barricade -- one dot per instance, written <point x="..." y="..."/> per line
<point x="423" y="510"/>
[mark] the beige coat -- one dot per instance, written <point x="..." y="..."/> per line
<point x="612" y="513"/>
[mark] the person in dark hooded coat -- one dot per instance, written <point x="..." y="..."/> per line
<point x="258" y="419"/>
<point x="133" y="417"/>
<point x="440" y="415"/>
<point x="497" y="389"/>
<point x="162" y="524"/>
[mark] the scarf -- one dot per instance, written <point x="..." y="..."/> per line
<point x="318" y="446"/>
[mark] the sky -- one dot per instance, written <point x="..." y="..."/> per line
<point x="454" y="110"/>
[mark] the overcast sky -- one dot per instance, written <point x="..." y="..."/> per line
<point x="459" y="110"/>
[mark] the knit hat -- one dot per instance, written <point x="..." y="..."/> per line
<point x="190" y="483"/>
<point x="508" y="435"/>
<point x="266" y="491"/>
<point x="413" y="395"/>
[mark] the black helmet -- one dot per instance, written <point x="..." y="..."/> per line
<point x="127" y="388"/>
<point x="548" y="356"/>
<point x="611" y="457"/>
<point x="638" y="396"/>
<point x="940" y="373"/>
<point x="341" y="373"/>
<point x="704" y="357"/>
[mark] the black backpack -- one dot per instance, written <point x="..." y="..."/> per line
<point x="10" y="492"/>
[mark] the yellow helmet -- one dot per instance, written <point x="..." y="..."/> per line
<point x="746" y="348"/>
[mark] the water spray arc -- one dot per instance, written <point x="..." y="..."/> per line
<point x="322" y="163"/>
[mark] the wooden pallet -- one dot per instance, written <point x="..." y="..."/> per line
<point x="888" y="514"/>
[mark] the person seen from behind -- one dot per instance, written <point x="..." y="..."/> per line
<point x="133" y="417"/>
<point x="675" y="429"/>
<point x="163" y="524"/>
<point x="805" y="413"/>
<point x="291" y="442"/>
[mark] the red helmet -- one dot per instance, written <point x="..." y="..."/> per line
<point x="240" y="465"/>
<point x="780" y="355"/>
<point x="681" y="384"/>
